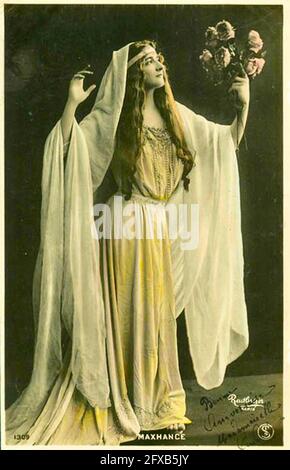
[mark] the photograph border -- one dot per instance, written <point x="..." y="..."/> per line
<point x="286" y="230"/>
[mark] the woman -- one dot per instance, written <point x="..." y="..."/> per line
<point x="118" y="297"/>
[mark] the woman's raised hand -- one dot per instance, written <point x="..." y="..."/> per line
<point x="76" y="92"/>
<point x="240" y="91"/>
<point x="76" y="95"/>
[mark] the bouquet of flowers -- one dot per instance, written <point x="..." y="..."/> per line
<point x="223" y="58"/>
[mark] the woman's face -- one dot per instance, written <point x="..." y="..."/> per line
<point x="153" y="69"/>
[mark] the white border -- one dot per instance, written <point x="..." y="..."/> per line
<point x="286" y="142"/>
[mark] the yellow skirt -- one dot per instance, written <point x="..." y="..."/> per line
<point x="145" y="384"/>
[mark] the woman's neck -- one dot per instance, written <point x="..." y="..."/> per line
<point x="151" y="114"/>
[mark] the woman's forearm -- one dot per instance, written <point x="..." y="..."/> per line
<point x="241" y="91"/>
<point x="67" y="120"/>
<point x="239" y="123"/>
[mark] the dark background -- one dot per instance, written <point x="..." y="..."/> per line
<point x="45" y="46"/>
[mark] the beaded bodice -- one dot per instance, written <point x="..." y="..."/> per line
<point x="158" y="170"/>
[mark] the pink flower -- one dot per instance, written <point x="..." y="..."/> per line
<point x="206" y="58"/>
<point x="225" y="30"/>
<point x="211" y="37"/>
<point x="222" y="57"/>
<point x="254" y="67"/>
<point x="255" y="43"/>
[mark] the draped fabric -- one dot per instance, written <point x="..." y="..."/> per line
<point x="67" y="287"/>
<point x="209" y="279"/>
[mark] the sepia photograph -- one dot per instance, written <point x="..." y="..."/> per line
<point x="143" y="160"/>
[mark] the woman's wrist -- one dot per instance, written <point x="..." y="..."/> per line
<point x="71" y="105"/>
<point x="67" y="119"/>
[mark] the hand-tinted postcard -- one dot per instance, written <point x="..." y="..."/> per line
<point x="143" y="226"/>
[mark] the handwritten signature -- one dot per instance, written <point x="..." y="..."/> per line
<point x="209" y="402"/>
<point x="239" y="431"/>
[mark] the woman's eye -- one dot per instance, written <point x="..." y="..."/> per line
<point x="158" y="58"/>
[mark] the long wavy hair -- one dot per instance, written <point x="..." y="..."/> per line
<point x="129" y="131"/>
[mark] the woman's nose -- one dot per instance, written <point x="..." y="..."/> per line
<point x="159" y="66"/>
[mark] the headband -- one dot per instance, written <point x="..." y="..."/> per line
<point x="139" y="56"/>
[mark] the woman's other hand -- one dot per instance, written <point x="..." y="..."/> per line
<point x="76" y="95"/>
<point x="240" y="89"/>
<point x="76" y="92"/>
